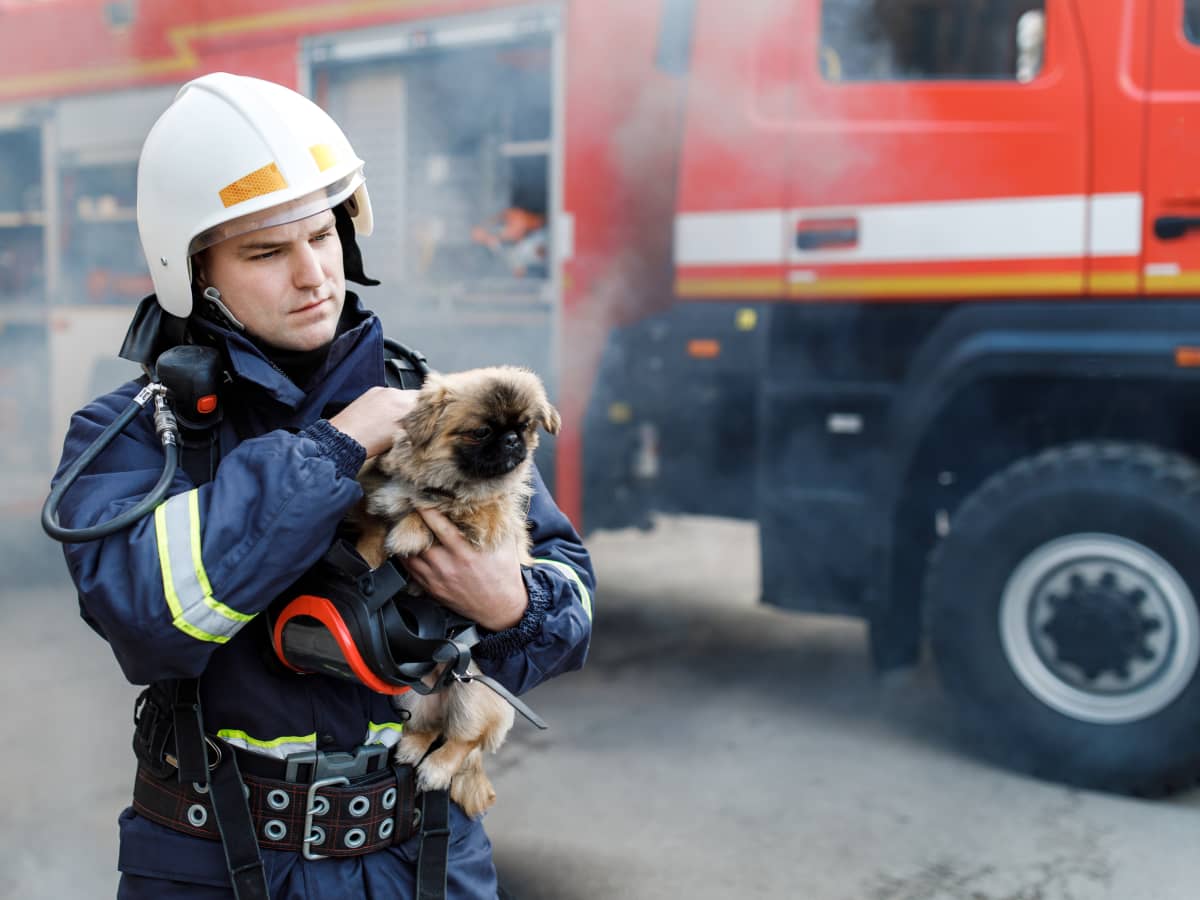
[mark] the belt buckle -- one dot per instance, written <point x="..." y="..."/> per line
<point x="310" y="811"/>
<point x="326" y="764"/>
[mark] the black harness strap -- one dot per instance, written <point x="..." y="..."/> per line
<point x="432" y="859"/>
<point x="224" y="781"/>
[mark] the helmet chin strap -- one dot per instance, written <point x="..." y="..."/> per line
<point x="219" y="310"/>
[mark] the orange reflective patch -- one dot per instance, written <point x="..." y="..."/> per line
<point x="324" y="156"/>
<point x="261" y="181"/>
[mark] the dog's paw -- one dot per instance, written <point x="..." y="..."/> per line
<point x="409" y="537"/>
<point x="473" y="792"/>
<point x="413" y="746"/>
<point x="434" y="774"/>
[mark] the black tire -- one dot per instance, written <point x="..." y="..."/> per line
<point x="1061" y="609"/>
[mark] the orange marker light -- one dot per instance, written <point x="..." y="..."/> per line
<point x="1187" y="357"/>
<point x="704" y="348"/>
<point x="206" y="404"/>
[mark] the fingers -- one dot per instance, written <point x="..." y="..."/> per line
<point x="443" y="529"/>
<point x="374" y="417"/>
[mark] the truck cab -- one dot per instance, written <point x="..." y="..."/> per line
<point x="934" y="326"/>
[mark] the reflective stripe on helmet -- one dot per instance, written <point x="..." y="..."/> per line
<point x="278" y="748"/>
<point x="266" y="180"/>
<point x="584" y="597"/>
<point x="324" y="156"/>
<point x="194" y="610"/>
<point x="386" y="733"/>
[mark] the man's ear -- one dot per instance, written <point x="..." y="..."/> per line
<point x="422" y="423"/>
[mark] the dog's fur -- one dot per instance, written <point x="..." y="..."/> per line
<point x="466" y="450"/>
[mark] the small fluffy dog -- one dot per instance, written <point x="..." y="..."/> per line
<point x="466" y="450"/>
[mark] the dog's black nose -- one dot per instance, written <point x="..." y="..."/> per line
<point x="512" y="441"/>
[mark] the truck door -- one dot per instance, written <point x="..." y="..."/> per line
<point x="1172" y="255"/>
<point x="940" y="151"/>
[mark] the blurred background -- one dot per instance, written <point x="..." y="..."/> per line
<point x="874" y="329"/>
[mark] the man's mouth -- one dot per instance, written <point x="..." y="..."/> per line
<point x="313" y="305"/>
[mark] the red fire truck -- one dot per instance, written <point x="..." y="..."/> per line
<point x="911" y="283"/>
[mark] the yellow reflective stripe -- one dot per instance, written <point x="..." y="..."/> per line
<point x="264" y="180"/>
<point x="277" y="748"/>
<point x="324" y="156"/>
<point x="164" y="564"/>
<point x="198" y="564"/>
<point x="584" y="597"/>
<point x="386" y="733"/>
<point x="185" y="582"/>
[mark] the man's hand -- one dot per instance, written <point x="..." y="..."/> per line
<point x="374" y="417"/>
<point x="485" y="587"/>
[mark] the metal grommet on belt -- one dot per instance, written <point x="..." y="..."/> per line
<point x="275" y="830"/>
<point x="199" y="788"/>
<point x="355" y="838"/>
<point x="316" y="837"/>
<point x="320" y="806"/>
<point x="278" y="799"/>
<point x="386" y="827"/>
<point x="359" y="806"/>
<point x="389" y="798"/>
<point x="197" y="815"/>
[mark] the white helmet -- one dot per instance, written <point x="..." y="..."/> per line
<point x="232" y="155"/>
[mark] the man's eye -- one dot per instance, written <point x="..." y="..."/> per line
<point x="323" y="235"/>
<point x="267" y="255"/>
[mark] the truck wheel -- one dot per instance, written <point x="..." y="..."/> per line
<point x="1063" y="618"/>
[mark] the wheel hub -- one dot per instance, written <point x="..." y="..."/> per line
<point x="1101" y="628"/>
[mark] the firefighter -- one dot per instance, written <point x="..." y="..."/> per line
<point x="249" y="200"/>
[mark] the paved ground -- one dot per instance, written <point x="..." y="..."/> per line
<point x="711" y="749"/>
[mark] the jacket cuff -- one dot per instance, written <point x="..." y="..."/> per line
<point x="501" y="644"/>
<point x="348" y="455"/>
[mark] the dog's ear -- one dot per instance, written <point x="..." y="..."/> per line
<point x="549" y="418"/>
<point x="422" y="423"/>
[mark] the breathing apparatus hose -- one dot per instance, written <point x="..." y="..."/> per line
<point x="168" y="433"/>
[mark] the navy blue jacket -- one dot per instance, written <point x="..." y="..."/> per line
<point x="177" y="594"/>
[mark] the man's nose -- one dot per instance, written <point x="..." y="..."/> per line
<point x="307" y="271"/>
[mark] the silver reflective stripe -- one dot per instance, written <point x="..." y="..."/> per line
<point x="584" y="597"/>
<point x="194" y="610"/>
<point x="277" y="748"/>
<point x="387" y="733"/>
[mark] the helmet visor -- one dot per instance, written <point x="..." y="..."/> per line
<point x="292" y="211"/>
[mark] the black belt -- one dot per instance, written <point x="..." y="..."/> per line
<point x="316" y="803"/>
<point x="331" y="816"/>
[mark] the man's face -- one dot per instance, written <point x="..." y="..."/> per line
<point x="285" y="283"/>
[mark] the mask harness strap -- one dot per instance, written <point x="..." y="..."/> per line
<point x="224" y="781"/>
<point x="433" y="857"/>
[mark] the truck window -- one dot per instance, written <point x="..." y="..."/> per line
<point x="1191" y="20"/>
<point x="915" y="40"/>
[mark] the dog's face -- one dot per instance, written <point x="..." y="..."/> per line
<point x="479" y="426"/>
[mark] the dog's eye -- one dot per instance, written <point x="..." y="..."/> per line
<point x="482" y="434"/>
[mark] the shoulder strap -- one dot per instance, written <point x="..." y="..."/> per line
<point x="404" y="367"/>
